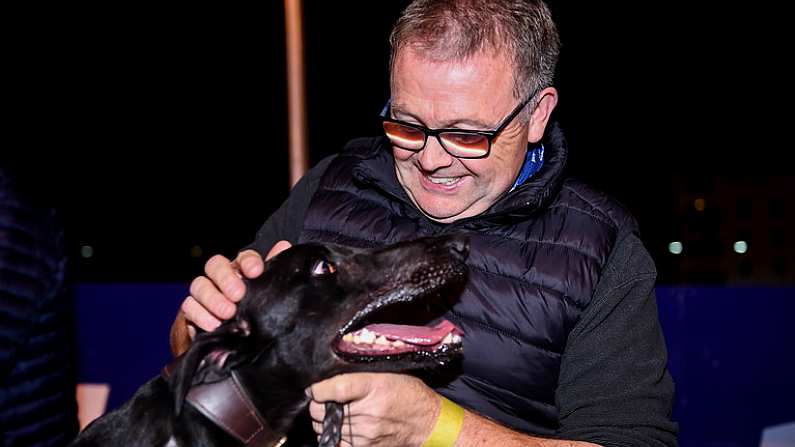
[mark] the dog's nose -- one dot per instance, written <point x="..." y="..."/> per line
<point x="458" y="245"/>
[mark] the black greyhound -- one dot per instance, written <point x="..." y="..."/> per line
<point x="316" y="311"/>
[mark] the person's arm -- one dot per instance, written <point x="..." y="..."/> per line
<point x="213" y="296"/>
<point x="614" y="387"/>
<point x="400" y="410"/>
<point x="478" y="431"/>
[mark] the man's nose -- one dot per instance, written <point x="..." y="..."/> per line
<point x="433" y="156"/>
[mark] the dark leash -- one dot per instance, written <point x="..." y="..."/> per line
<point x="332" y="425"/>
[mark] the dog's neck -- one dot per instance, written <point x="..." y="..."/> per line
<point x="258" y="419"/>
<point x="276" y="394"/>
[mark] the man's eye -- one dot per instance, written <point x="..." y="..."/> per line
<point x="465" y="138"/>
<point x="322" y="268"/>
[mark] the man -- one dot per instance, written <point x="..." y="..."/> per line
<point x="563" y="345"/>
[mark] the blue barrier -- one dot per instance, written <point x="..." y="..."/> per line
<point x="732" y="352"/>
<point x="732" y="356"/>
<point x="122" y="334"/>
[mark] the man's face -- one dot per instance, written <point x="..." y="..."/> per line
<point x="472" y="94"/>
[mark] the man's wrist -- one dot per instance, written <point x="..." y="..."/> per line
<point x="447" y="424"/>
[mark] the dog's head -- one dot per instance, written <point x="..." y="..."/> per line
<point x="320" y="310"/>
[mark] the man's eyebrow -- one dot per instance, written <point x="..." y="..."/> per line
<point x="397" y="109"/>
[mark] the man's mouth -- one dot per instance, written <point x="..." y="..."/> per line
<point x="446" y="181"/>
<point x="441" y="182"/>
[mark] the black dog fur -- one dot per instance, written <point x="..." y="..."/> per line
<point x="283" y="338"/>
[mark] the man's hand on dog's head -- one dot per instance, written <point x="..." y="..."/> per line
<point x="213" y="297"/>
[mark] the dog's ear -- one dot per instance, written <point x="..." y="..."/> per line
<point x="211" y="358"/>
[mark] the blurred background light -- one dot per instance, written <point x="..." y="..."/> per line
<point x="740" y="247"/>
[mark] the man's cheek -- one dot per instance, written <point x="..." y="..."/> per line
<point x="401" y="154"/>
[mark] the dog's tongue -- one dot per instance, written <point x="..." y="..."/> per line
<point x="416" y="335"/>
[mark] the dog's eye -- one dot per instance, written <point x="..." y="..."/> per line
<point x="323" y="267"/>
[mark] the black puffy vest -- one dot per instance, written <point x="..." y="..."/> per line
<point x="536" y="257"/>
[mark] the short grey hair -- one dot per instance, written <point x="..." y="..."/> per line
<point x="453" y="30"/>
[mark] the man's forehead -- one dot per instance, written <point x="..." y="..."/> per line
<point x="438" y="108"/>
<point x="475" y="90"/>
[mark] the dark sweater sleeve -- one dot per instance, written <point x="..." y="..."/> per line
<point x="287" y="222"/>
<point x="614" y="388"/>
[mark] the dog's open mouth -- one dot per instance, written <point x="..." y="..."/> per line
<point x="402" y="320"/>
<point x="373" y="335"/>
<point x="382" y="339"/>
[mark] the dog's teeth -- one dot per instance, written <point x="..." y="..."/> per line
<point x="357" y="339"/>
<point x="398" y="344"/>
<point x="367" y="336"/>
<point x="448" y="339"/>
<point x="347" y="337"/>
<point x="381" y="340"/>
<point x="456" y="338"/>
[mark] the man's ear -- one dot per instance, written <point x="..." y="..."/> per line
<point x="211" y="358"/>
<point x="547" y="100"/>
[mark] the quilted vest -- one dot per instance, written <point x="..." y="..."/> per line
<point x="536" y="257"/>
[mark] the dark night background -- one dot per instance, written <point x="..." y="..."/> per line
<point x="159" y="133"/>
<point x="157" y="130"/>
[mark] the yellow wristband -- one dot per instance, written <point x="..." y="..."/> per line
<point x="447" y="427"/>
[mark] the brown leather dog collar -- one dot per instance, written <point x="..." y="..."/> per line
<point x="227" y="404"/>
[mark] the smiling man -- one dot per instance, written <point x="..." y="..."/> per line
<point x="456" y="174"/>
<point x="562" y="343"/>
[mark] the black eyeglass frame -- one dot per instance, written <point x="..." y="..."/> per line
<point x="489" y="134"/>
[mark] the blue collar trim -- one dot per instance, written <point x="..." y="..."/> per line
<point x="533" y="161"/>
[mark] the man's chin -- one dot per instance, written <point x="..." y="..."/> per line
<point x="441" y="206"/>
<point x="442" y="212"/>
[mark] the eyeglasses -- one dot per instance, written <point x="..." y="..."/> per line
<point x="460" y="143"/>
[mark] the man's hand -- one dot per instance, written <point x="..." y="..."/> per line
<point x="213" y="297"/>
<point x="383" y="409"/>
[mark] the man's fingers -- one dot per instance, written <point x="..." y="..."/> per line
<point x="213" y="297"/>
<point x="317" y="411"/>
<point x="217" y="304"/>
<point x="191" y="332"/>
<point x="197" y="314"/>
<point x="222" y="273"/>
<point x="250" y="263"/>
<point x="278" y="248"/>
<point x="341" y="388"/>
